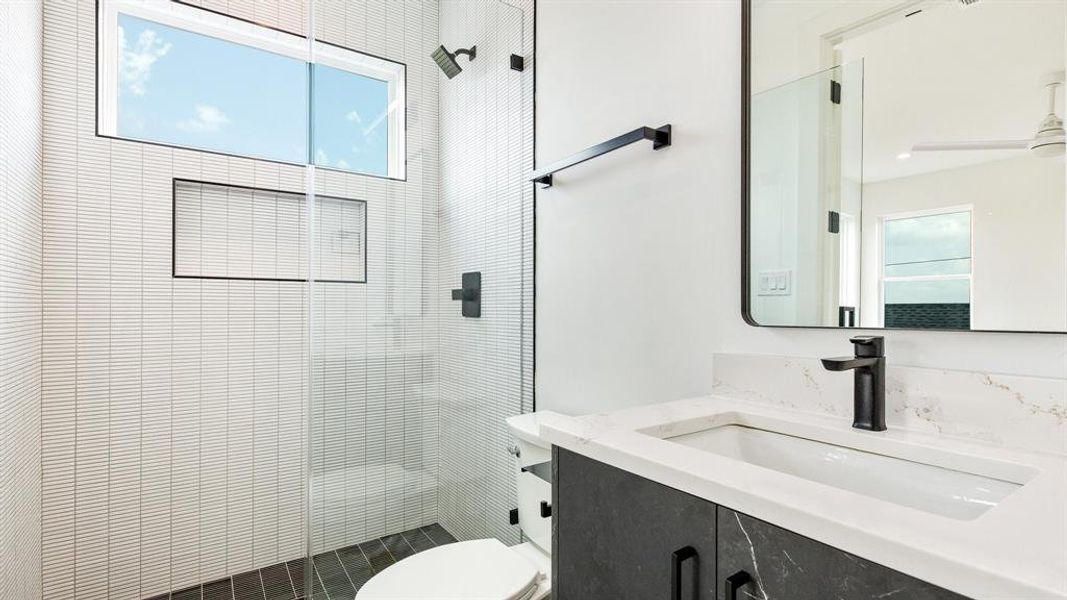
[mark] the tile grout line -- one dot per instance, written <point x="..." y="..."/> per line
<point x="262" y="585"/>
<point x="345" y="570"/>
<point x="289" y="575"/>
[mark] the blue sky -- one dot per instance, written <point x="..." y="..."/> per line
<point x="187" y="89"/>
<point x="351" y="130"/>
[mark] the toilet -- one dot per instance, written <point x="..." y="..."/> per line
<point x="487" y="569"/>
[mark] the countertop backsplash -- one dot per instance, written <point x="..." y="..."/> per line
<point x="1028" y="413"/>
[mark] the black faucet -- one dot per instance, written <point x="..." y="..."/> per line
<point x="868" y="403"/>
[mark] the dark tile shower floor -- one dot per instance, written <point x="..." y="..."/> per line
<point x="338" y="573"/>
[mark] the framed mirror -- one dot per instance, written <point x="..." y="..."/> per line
<point x="904" y="164"/>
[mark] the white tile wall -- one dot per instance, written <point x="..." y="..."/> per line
<point x="173" y="422"/>
<point x="487" y="226"/>
<point x="20" y="299"/>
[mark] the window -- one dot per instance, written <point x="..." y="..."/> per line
<point x="357" y="115"/>
<point x="174" y="74"/>
<point x="926" y="269"/>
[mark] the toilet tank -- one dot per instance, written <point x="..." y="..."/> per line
<point x="533" y="477"/>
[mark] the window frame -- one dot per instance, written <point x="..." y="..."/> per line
<point x="182" y="15"/>
<point x="880" y="245"/>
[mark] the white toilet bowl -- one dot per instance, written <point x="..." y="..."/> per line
<point x="474" y="570"/>
<point x="486" y="569"/>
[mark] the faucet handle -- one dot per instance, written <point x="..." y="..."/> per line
<point x="869" y="345"/>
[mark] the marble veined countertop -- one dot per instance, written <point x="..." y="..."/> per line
<point x="1017" y="549"/>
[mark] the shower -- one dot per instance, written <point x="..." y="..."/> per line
<point x="291" y="401"/>
<point x="447" y="60"/>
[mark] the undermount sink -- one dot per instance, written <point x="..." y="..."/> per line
<point x="935" y="489"/>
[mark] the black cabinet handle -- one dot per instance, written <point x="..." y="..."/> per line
<point x="734" y="583"/>
<point x="546" y="510"/>
<point x="677" y="558"/>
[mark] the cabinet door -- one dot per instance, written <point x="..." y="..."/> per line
<point x="783" y="564"/>
<point x="616" y="535"/>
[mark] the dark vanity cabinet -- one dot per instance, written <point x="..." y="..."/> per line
<point x="796" y="567"/>
<point x="617" y="535"/>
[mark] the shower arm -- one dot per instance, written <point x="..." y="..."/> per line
<point x="470" y="53"/>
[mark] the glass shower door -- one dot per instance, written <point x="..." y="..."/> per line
<point x="418" y="179"/>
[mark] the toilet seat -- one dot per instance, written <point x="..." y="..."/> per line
<point x="473" y="570"/>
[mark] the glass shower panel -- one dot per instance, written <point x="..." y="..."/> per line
<point x="486" y="226"/>
<point x="407" y="440"/>
<point x="373" y="405"/>
<point x="806" y="173"/>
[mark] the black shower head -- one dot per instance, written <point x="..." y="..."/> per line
<point x="447" y="60"/>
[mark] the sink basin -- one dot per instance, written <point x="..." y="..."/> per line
<point x="934" y="489"/>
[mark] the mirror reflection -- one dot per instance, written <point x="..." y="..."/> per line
<point x="906" y="164"/>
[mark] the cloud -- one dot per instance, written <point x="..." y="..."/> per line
<point x="372" y="129"/>
<point x="355" y="117"/>
<point x="321" y="158"/>
<point x="343" y="164"/>
<point x="208" y="119"/>
<point x="135" y="65"/>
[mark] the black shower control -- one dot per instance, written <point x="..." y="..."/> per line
<point x="513" y="516"/>
<point x="546" y="510"/>
<point x="517" y="63"/>
<point x="470" y="294"/>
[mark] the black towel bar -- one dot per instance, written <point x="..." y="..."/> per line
<point x="660" y="137"/>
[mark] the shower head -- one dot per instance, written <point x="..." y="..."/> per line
<point x="447" y="60"/>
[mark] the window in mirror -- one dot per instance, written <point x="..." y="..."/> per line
<point x="926" y="270"/>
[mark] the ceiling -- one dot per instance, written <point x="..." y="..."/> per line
<point x="955" y="74"/>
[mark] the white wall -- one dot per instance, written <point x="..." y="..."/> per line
<point x="638" y="272"/>
<point x="20" y="299"/>
<point x="1020" y="268"/>
<point x="625" y="243"/>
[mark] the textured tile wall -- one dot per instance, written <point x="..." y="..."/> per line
<point x="174" y="436"/>
<point x="250" y="233"/>
<point x="487" y="226"/>
<point x="238" y="233"/>
<point x="20" y="299"/>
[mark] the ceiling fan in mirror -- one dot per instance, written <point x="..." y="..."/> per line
<point x="1049" y="141"/>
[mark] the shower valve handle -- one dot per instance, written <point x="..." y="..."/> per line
<point x="464" y="294"/>
<point x="470" y="294"/>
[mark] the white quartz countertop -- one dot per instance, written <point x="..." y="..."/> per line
<point x="1016" y="550"/>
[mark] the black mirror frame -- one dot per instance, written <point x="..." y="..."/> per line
<point x="746" y="240"/>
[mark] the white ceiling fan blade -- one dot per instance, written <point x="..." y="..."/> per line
<point x="973" y="145"/>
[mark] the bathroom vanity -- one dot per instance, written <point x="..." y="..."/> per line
<point x="716" y="498"/>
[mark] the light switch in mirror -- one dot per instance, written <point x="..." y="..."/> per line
<point x="904" y="164"/>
